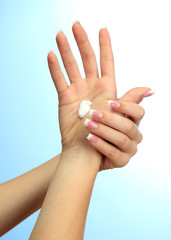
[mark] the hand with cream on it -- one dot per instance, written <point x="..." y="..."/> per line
<point x="93" y="88"/>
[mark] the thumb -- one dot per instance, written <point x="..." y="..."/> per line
<point x="136" y="95"/>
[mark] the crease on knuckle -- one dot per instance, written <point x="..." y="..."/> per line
<point x="70" y="64"/>
<point x="112" y="154"/>
<point x="87" y="56"/>
<point x="130" y="127"/>
<point x="107" y="57"/>
<point x="122" y="140"/>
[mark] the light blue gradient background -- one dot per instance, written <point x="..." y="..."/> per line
<point x="127" y="204"/>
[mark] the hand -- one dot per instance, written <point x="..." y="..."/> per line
<point x="91" y="88"/>
<point x="98" y="90"/>
<point x="115" y="136"/>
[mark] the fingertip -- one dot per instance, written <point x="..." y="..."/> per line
<point x="51" y="57"/>
<point x="60" y="38"/>
<point x="113" y="104"/>
<point x="92" y="138"/>
<point x="104" y="36"/>
<point x="76" y="23"/>
<point x="49" y="53"/>
<point x="58" y="33"/>
<point x="149" y="93"/>
<point x="103" y="30"/>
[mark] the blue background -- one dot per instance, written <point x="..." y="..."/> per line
<point x="129" y="203"/>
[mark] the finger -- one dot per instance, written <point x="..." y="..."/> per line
<point x="135" y="95"/>
<point x="116" y="157"/>
<point x="68" y="58"/>
<point x="56" y="73"/>
<point x="132" y="110"/>
<point x="117" y="122"/>
<point x="106" y="54"/>
<point x="111" y="135"/>
<point x="86" y="51"/>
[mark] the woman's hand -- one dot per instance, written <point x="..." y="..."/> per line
<point x="97" y="90"/>
<point x="91" y="88"/>
<point x="115" y="136"/>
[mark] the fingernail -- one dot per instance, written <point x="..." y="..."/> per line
<point x="149" y="93"/>
<point x="50" y="52"/>
<point x="76" y="22"/>
<point x="92" y="138"/>
<point x="90" y="124"/>
<point x="95" y="114"/>
<point x="113" y="104"/>
<point x="60" y="31"/>
<point x="103" y="28"/>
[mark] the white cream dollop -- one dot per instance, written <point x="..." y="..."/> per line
<point x="84" y="108"/>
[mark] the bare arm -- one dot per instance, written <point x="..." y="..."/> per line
<point x="64" y="210"/>
<point x="24" y="195"/>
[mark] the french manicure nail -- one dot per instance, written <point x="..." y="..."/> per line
<point x="76" y="22"/>
<point x="90" y="124"/>
<point x="50" y="52"/>
<point x="91" y="138"/>
<point x="60" y="31"/>
<point x="149" y="93"/>
<point x="113" y="104"/>
<point x="95" y="114"/>
<point x="103" y="27"/>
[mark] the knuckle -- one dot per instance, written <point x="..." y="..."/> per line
<point x="140" y="138"/>
<point x="70" y="64"/>
<point x="124" y="161"/>
<point x="113" y="154"/>
<point x="122" y="140"/>
<point x="134" y="149"/>
<point x="141" y="113"/>
<point x="88" y="55"/>
<point x="130" y="127"/>
<point x="107" y="57"/>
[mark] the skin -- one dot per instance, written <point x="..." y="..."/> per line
<point x="35" y="183"/>
<point x="97" y="90"/>
<point x="64" y="210"/>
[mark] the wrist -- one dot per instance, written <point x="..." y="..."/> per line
<point x="87" y="155"/>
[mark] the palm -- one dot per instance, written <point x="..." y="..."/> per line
<point x="91" y="89"/>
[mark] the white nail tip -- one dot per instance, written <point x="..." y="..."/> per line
<point x="60" y="31"/>
<point x="77" y="21"/>
<point x="152" y="92"/>
<point x="109" y="102"/>
<point x="86" y="122"/>
<point x="103" y="27"/>
<point x="89" y="136"/>
<point x="91" y="112"/>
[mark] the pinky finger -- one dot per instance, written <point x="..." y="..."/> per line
<point x="56" y="73"/>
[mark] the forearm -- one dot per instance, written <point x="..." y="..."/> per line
<point x="64" y="210"/>
<point x="22" y="196"/>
